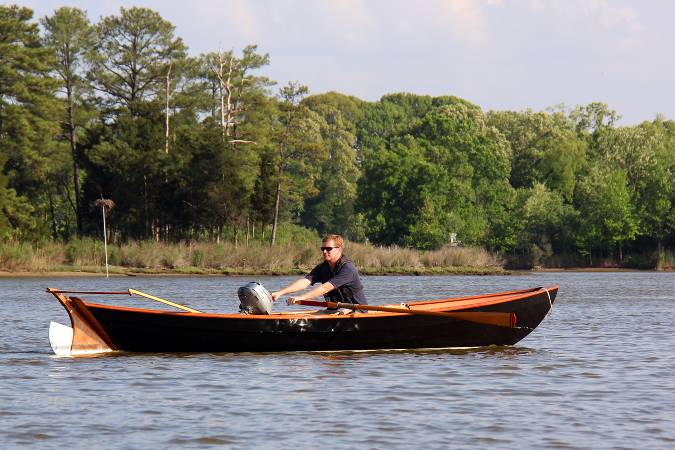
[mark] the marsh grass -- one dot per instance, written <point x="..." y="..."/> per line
<point x="371" y="257"/>
<point x="461" y="257"/>
<point x="28" y="257"/>
<point x="288" y="257"/>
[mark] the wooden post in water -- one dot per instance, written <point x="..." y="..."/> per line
<point x="103" y="203"/>
<point x="105" y="242"/>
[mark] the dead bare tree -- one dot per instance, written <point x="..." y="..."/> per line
<point x="168" y="98"/>
<point x="233" y="78"/>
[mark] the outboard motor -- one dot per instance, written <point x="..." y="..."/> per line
<point x="255" y="299"/>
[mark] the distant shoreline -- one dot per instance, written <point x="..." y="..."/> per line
<point x="126" y="272"/>
<point x="87" y="258"/>
<point x="200" y="273"/>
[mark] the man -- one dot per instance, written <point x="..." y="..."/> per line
<point x="340" y="281"/>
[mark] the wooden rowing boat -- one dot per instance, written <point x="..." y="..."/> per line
<point x="445" y="323"/>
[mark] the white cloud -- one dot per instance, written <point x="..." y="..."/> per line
<point x="216" y="15"/>
<point x="347" y="23"/>
<point x="537" y="5"/>
<point x="614" y="16"/>
<point x="347" y="13"/>
<point x="464" y="16"/>
<point x="240" y="15"/>
<point x="617" y="20"/>
<point x="364" y="22"/>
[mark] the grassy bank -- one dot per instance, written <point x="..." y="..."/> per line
<point x="226" y="258"/>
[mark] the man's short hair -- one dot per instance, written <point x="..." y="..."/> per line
<point x="336" y="238"/>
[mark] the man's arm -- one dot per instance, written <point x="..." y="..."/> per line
<point x="296" y="286"/>
<point x="316" y="292"/>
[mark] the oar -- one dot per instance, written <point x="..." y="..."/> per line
<point x="501" y="319"/>
<point x="167" y="302"/>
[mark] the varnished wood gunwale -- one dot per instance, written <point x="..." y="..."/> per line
<point x="471" y="303"/>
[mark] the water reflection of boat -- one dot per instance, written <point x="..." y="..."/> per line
<point x="448" y="323"/>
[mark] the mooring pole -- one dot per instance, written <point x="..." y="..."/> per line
<point x="110" y="204"/>
<point x="105" y="241"/>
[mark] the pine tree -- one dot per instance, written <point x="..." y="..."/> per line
<point x="69" y="33"/>
<point x="27" y="125"/>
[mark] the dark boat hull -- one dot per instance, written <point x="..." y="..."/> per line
<point x="137" y="330"/>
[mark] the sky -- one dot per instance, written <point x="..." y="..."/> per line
<point x="498" y="54"/>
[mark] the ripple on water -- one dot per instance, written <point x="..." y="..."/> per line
<point x="204" y="440"/>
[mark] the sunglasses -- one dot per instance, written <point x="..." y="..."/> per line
<point x="327" y="249"/>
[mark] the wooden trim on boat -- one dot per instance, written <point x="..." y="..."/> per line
<point x="457" y="304"/>
<point x="496" y="294"/>
<point x="88" y="334"/>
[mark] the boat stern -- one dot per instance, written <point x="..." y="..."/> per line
<point x="85" y="336"/>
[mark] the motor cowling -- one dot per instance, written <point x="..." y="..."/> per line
<point x="254" y="299"/>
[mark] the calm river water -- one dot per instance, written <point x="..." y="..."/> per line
<point x="599" y="372"/>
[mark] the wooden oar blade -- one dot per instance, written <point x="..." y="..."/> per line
<point x="500" y="319"/>
<point x="312" y="303"/>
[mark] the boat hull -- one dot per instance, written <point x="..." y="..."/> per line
<point x="139" y="330"/>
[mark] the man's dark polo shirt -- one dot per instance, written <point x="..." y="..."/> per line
<point x="345" y="278"/>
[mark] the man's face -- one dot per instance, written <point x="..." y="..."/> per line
<point x="333" y="254"/>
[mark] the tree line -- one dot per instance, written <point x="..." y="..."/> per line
<point x="204" y="147"/>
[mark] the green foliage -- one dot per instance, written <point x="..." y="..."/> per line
<point x="594" y="117"/>
<point x="604" y="203"/>
<point x="392" y="187"/>
<point x="448" y="173"/>
<point x="141" y="166"/>
<point x="200" y="149"/>
<point x="428" y="231"/>
<point x="17" y="218"/>
<point x="546" y="221"/>
<point x="296" y="134"/>
<point x="27" y="104"/>
<point x="70" y="35"/>
<point x="545" y="149"/>
<point x="131" y="57"/>
<point x="333" y="210"/>
<point x="337" y="108"/>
